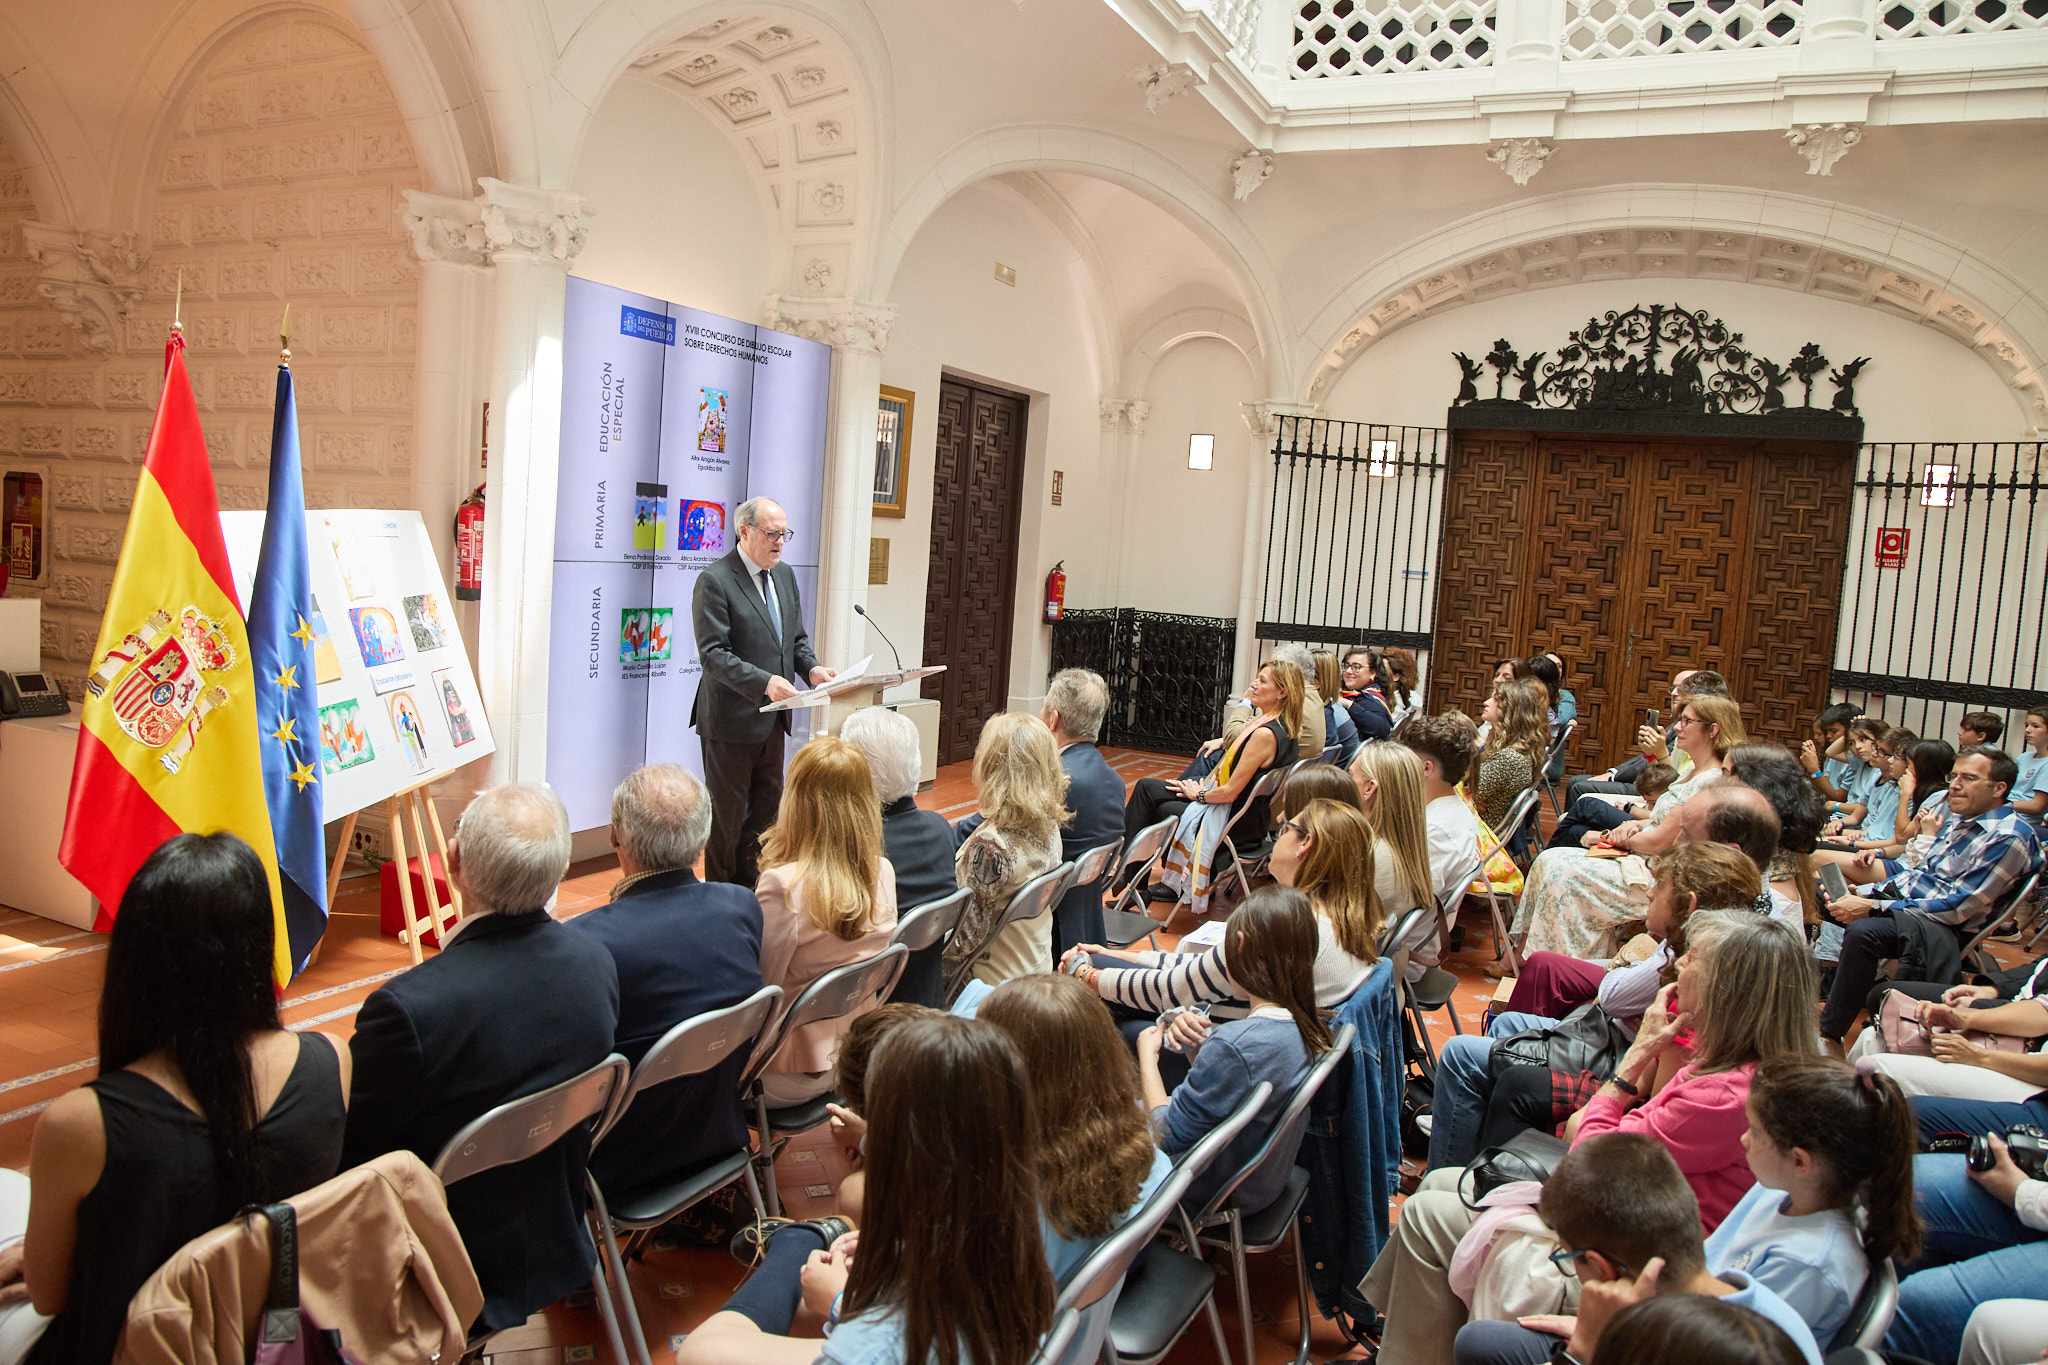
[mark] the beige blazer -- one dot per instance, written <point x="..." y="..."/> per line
<point x="795" y="952"/>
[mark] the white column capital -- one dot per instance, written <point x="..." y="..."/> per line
<point x="535" y="226"/>
<point x="844" y="324"/>
<point x="92" y="278"/>
<point x="1264" y="419"/>
<point x="446" y="230"/>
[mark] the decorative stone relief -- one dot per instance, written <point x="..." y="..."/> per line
<point x="1249" y="171"/>
<point x="1521" y="157"/>
<point x="1264" y="419"/>
<point x="818" y="275"/>
<point x="91" y="278"/>
<point x="445" y="229"/>
<point x="1163" y="81"/>
<point x="1823" y="144"/>
<point x="1129" y="414"/>
<point x="855" y="324"/>
<point x="532" y="224"/>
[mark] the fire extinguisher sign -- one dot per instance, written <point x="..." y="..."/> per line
<point x="1892" y="544"/>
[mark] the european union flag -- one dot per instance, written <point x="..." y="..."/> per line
<point x="281" y="635"/>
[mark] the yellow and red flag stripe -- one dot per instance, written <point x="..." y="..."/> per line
<point x="167" y="742"/>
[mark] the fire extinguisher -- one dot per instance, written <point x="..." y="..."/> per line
<point x="469" y="547"/>
<point x="1056" y="592"/>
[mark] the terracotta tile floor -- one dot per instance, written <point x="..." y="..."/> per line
<point x="50" y="976"/>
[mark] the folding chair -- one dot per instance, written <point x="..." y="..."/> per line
<point x="1036" y="897"/>
<point x="1120" y="927"/>
<point x="1091" y="1288"/>
<point x="924" y="931"/>
<point x="1267" y="787"/>
<point x="1092" y="869"/>
<point x="1058" y="1338"/>
<point x="524" y="1128"/>
<point x="1428" y="993"/>
<point x="1330" y="752"/>
<point x="1519" y="813"/>
<point x="1393" y="945"/>
<point x="1557" y="747"/>
<point x="1160" y="1299"/>
<point x="1265" y="1229"/>
<point x="842" y="991"/>
<point x="1870" y="1317"/>
<point x="690" y="1048"/>
<point x="1975" y="959"/>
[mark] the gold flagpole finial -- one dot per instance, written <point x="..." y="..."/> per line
<point x="284" y="338"/>
<point x="178" y="303"/>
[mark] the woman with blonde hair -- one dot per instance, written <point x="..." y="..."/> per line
<point x="1517" y="746"/>
<point x="1573" y="901"/>
<point x="1388" y="777"/>
<point x="1023" y="802"/>
<point x="828" y="897"/>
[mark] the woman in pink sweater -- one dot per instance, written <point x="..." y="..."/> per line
<point x="1744" y="995"/>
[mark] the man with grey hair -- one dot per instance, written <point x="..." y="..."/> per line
<point x="917" y="842"/>
<point x="1076" y="701"/>
<point x="751" y="641"/>
<point x="682" y="948"/>
<point x="513" y="1004"/>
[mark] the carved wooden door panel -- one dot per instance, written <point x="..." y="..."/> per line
<point x="1576" y="603"/>
<point x="970" y="585"/>
<point x="1483" y="563"/>
<point x="1799" y="530"/>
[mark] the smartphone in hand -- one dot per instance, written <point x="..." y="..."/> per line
<point x="1653" y="718"/>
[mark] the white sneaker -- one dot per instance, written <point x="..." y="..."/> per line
<point x="1426" y="1123"/>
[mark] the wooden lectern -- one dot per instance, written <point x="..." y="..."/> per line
<point x="845" y="695"/>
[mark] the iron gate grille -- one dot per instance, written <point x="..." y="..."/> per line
<point x="1169" y="676"/>
<point x="1351" y="539"/>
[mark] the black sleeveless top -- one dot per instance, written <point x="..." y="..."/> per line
<point x="157" y="1190"/>
<point x="1252" y="828"/>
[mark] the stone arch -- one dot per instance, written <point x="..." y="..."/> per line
<point x="1092" y="276"/>
<point x="1119" y="161"/>
<point x="1179" y="326"/>
<point x="63" y="176"/>
<point x="1774" y="240"/>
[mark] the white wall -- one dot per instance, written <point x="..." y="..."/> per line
<point x="1919" y="385"/>
<point x="953" y="315"/>
<point x="1182" y="536"/>
<point x="685" y="223"/>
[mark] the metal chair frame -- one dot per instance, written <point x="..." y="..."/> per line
<point x="1036" y="897"/>
<point x="1870" y="1317"/>
<point x="1977" y="960"/>
<point x="837" y="993"/>
<point x="924" y="926"/>
<point x="1557" y="745"/>
<point x="526" y="1127"/>
<point x="1146" y="850"/>
<point x="1220" y="1212"/>
<point x="1267" y="786"/>
<point x="1520" y="812"/>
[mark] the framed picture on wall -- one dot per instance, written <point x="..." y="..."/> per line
<point x="892" y="450"/>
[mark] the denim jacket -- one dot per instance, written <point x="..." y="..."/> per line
<point x="1352" y="1151"/>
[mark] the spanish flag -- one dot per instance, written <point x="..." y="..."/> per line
<point x="167" y="743"/>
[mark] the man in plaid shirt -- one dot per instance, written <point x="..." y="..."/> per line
<point x="1976" y="865"/>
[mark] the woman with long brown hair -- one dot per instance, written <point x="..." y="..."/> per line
<point x="948" y="1265"/>
<point x="828" y="897"/>
<point x="1273" y="941"/>
<point x="1517" y="745"/>
<point x="1022" y="792"/>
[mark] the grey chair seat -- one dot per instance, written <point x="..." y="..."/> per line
<point x="1434" y="989"/>
<point x="1122" y="928"/>
<point x="1159" y="1300"/>
<point x="1268" y="1227"/>
<point x="801" y="1118"/>
<point x="649" y="1205"/>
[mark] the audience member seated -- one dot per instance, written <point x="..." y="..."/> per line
<point x="512" y="1004"/>
<point x="1022" y="793"/>
<point x="1548" y="669"/>
<point x="1274" y="940"/>
<point x="1326" y="852"/>
<point x="682" y="948"/>
<point x="1338" y="727"/>
<point x="1986" y="1235"/>
<point x="847" y="1122"/>
<point x="2006" y="1330"/>
<point x="1203" y="806"/>
<point x="1443" y="744"/>
<point x="950" y="1254"/>
<point x="1979" y="728"/>
<point x="1693" y="876"/>
<point x="2029" y="794"/>
<point x="1831" y="764"/>
<point x="918" y="843"/>
<point x="1916" y="915"/>
<point x="1095" y="1154"/>
<point x="1075" y="703"/>
<point x="1390" y="783"/>
<point x="204" y="1103"/>
<point x="1959" y="1068"/>
<point x="1630" y="1229"/>
<point x="1517" y="745"/>
<point x="1365" y="694"/>
<point x="828" y="897"/>
<point x="1313" y="734"/>
<point x="1747" y="984"/>
<point x="1695" y="1328"/>
<point x="1873" y="796"/>
<point x="1404" y="683"/>
<point x="1653" y="745"/>
<point x="1771" y="770"/>
<point x="1572" y="901"/>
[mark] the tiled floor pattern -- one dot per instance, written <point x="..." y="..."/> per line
<point x="50" y="976"/>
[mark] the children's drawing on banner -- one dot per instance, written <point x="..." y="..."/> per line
<point x="412" y="735"/>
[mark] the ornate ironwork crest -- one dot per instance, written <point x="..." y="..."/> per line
<point x="1658" y="367"/>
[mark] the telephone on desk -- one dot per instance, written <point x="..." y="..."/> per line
<point x="31" y="694"/>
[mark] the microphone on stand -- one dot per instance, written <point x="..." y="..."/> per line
<point x="863" y="613"/>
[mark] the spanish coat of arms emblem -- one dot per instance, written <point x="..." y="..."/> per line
<point x="158" y="679"/>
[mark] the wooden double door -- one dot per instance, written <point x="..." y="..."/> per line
<point x="1636" y="557"/>
<point x="971" y="578"/>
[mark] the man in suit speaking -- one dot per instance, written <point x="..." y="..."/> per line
<point x="751" y="640"/>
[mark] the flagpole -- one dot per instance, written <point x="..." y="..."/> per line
<point x="284" y="338"/>
<point x="178" y="305"/>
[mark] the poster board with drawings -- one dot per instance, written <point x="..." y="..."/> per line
<point x="398" y="701"/>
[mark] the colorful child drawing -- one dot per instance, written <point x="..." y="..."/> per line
<point x="460" y="731"/>
<point x="703" y="525"/>
<point x="326" y="659"/>
<point x="376" y="636"/>
<point x="423" y="615"/>
<point x="343" y="741"/>
<point x="650" y="515"/>
<point x="711" y="420"/>
<point x="412" y="736"/>
<point x="645" y="634"/>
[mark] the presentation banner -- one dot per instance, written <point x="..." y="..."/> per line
<point x="398" y="701"/>
<point x="671" y="418"/>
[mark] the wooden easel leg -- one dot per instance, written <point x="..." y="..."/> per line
<point x="419" y="835"/>
<point x="441" y="847"/>
<point x="411" y="934"/>
<point x="348" y="832"/>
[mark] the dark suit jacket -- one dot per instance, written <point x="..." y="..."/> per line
<point x="736" y="643"/>
<point x="682" y="948"/>
<point x="515" y="1004"/>
<point x="919" y="845"/>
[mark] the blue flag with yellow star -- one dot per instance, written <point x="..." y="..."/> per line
<point x="281" y="638"/>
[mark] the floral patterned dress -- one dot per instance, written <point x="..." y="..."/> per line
<point x="994" y="864"/>
<point x="1573" y="902"/>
